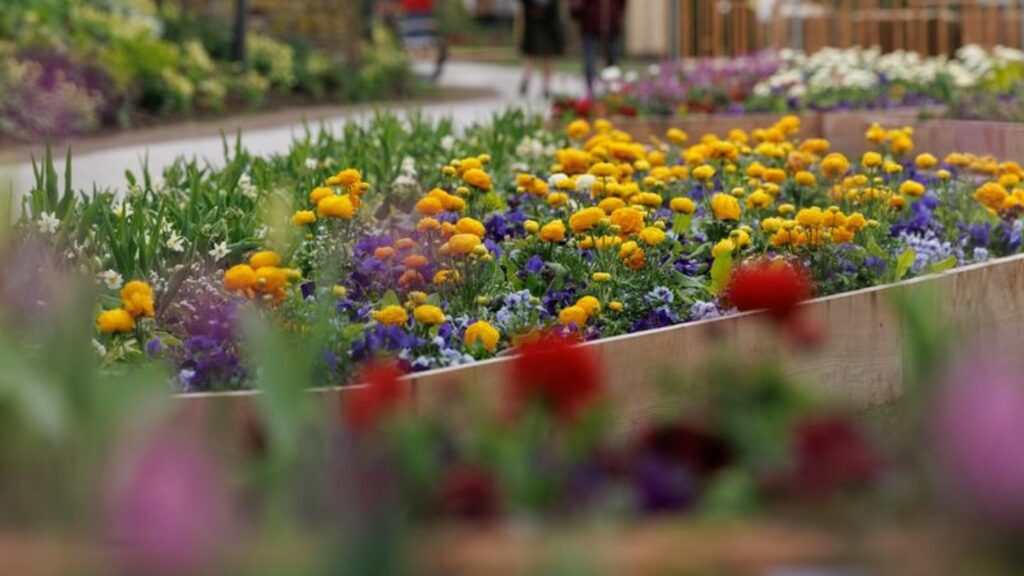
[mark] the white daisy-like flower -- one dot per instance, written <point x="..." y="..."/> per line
<point x="111" y="278"/>
<point x="121" y="209"/>
<point x="311" y="163"/>
<point x="101" y="350"/>
<point x="585" y="182"/>
<point x="48" y="223"/>
<point x="220" y="250"/>
<point x="176" y="243"/>
<point x="447" y="143"/>
<point x="555" y="179"/>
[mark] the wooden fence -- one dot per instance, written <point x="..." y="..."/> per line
<point x="732" y="27"/>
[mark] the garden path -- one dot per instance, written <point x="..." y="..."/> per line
<point x="105" y="168"/>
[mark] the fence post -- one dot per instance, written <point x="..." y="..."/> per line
<point x="241" y="14"/>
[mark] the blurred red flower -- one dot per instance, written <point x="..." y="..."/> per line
<point x="381" y="393"/>
<point x="774" y="286"/>
<point x="831" y="454"/>
<point x="557" y="373"/>
<point x="469" y="493"/>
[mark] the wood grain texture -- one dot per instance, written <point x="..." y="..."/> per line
<point x="860" y="363"/>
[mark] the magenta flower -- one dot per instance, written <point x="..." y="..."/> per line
<point x="977" y="428"/>
<point x="169" y="508"/>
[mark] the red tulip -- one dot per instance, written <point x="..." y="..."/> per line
<point x="557" y="373"/>
<point x="774" y="286"/>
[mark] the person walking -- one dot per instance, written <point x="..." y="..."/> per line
<point x="543" y="40"/>
<point x="601" y="23"/>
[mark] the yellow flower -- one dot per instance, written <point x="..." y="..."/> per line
<point x="319" y="194"/>
<point x="392" y="315"/>
<point x="810" y="217"/>
<point x="724" y="246"/>
<point x="991" y="195"/>
<point x="610" y="205"/>
<point x="835" y="165"/>
<point x="556" y="199"/>
<point x="601" y="277"/>
<point x="628" y="220"/>
<point x="578" y="129"/>
<point x="585" y="219"/>
<point x="336" y="207"/>
<point x="573" y="315"/>
<point x="270" y="279"/>
<point x="615" y="306"/>
<point x="428" y="314"/>
<point x="303" y="217"/>
<point x="471" y="226"/>
<point x="590" y="305"/>
<point x="446" y="276"/>
<point x="264" y="258"/>
<point x="703" y="172"/>
<point x="462" y="243"/>
<point x="902" y="144"/>
<point x="925" y="161"/>
<point x="682" y="205"/>
<point x="652" y="236"/>
<point x="553" y="231"/>
<point x="725" y="207"/>
<point x="805" y="178"/>
<point x="603" y="170"/>
<point x="383" y="252"/>
<point x="427" y="224"/>
<point x="875" y="134"/>
<point x="944" y="174"/>
<point x="137" y="298"/>
<point x="871" y="160"/>
<point x="240" y="277"/>
<point x="912" y="188"/>
<point x="677" y="136"/>
<point x="345" y="178"/>
<point x="478" y="178"/>
<point x="531" y="226"/>
<point x="429" y="206"/>
<point x="116" y="320"/>
<point x="759" y="199"/>
<point x="483" y="333"/>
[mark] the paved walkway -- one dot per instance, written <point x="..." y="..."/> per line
<point x="105" y="168"/>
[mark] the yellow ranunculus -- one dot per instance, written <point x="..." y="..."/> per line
<point x="471" y="226"/>
<point x="270" y="279"/>
<point x="483" y="333"/>
<point x="912" y="188"/>
<point x="722" y="247"/>
<point x="810" y="217"/>
<point x="601" y="277"/>
<point x="628" y="220"/>
<point x="116" y="320"/>
<point x="303" y="217"/>
<point x="725" y="207"/>
<point x="585" y="219"/>
<point x="264" y="258"/>
<point x="925" y="161"/>
<point x="240" y="277"/>
<point x="682" y="205"/>
<point x="429" y="206"/>
<point x="578" y="129"/>
<point x="573" y="315"/>
<point x="428" y="314"/>
<point x="477" y="178"/>
<point x="137" y="298"/>
<point x="319" y="194"/>
<point x="336" y="207"/>
<point x="392" y="315"/>
<point x="652" y="236"/>
<point x="553" y="231"/>
<point x="462" y="243"/>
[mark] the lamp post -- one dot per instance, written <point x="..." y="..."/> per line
<point x="238" y="47"/>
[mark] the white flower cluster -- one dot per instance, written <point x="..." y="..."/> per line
<point x="865" y="69"/>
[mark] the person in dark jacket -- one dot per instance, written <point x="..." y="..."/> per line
<point x="601" y="24"/>
<point x="543" y="39"/>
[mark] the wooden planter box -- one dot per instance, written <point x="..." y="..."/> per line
<point x="859" y="363"/>
<point x="1002" y="140"/>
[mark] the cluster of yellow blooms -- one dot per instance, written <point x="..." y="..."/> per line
<point x="136" y="302"/>
<point x="339" y="198"/>
<point x="261" y="277"/>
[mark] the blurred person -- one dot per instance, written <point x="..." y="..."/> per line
<point x="601" y="23"/>
<point x="543" y="39"/>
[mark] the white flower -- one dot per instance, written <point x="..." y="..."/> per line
<point x="121" y="209"/>
<point x="101" y="350"/>
<point x="246" y="187"/>
<point x="585" y="182"/>
<point x="654" y="70"/>
<point x="219" y="250"/>
<point x="176" y="243"/>
<point x="48" y="223"/>
<point x="447" y="143"/>
<point x="555" y="179"/>
<point x="611" y="74"/>
<point x="111" y="278"/>
<point x="311" y="163"/>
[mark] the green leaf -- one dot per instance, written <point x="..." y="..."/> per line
<point x="682" y="223"/>
<point x="942" y="266"/>
<point x="390" y="299"/>
<point x="721" y="273"/>
<point x="875" y="250"/>
<point x="903" y="264"/>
